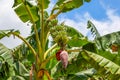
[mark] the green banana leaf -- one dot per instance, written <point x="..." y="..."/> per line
<point x="104" y="42"/>
<point x="25" y="10"/>
<point x="16" y="77"/>
<point x="7" y="33"/>
<point x="77" y="42"/>
<point x="73" y="32"/>
<point x="6" y="62"/>
<point x="9" y="64"/>
<point x="102" y="65"/>
<point x="83" y="75"/>
<point x="108" y="39"/>
<point x="6" y="54"/>
<point x="45" y="5"/>
<point x="67" y="5"/>
<point x="93" y="29"/>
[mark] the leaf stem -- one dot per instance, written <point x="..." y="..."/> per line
<point x="42" y="33"/>
<point x="42" y="27"/>
<point x="20" y="37"/>
<point x="47" y="60"/>
<point x="50" y="49"/>
<point x="74" y="50"/>
<point x="34" y="26"/>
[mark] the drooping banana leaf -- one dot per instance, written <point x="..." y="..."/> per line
<point x="108" y="39"/>
<point x="102" y="65"/>
<point x="111" y="56"/>
<point x="23" y="60"/>
<point x="103" y="42"/>
<point x="6" y="62"/>
<point x="32" y="2"/>
<point x="93" y="29"/>
<point x="67" y="5"/>
<point x="25" y="10"/>
<point x="23" y="53"/>
<point x="20" y="69"/>
<point x="6" y="54"/>
<point x="83" y="75"/>
<point x="7" y="33"/>
<point x="73" y="32"/>
<point x="76" y="39"/>
<point x="9" y="65"/>
<point x="77" y="42"/>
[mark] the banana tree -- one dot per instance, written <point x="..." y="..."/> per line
<point x="103" y="62"/>
<point x="39" y="59"/>
<point x="43" y="25"/>
<point x="108" y="46"/>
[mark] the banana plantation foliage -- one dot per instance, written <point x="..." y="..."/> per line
<point x="69" y="55"/>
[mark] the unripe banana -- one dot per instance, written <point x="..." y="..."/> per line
<point x="59" y="35"/>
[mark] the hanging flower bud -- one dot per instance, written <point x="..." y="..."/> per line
<point x="64" y="58"/>
<point x="58" y="55"/>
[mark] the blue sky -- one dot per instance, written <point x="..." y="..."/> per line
<point x="105" y="14"/>
<point x="96" y="8"/>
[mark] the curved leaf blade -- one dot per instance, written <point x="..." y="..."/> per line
<point x="93" y="29"/>
<point x="77" y="42"/>
<point x="108" y="39"/>
<point x="6" y="54"/>
<point x="73" y="32"/>
<point x="102" y="62"/>
<point x="26" y="11"/>
<point x="83" y="75"/>
<point x="67" y="5"/>
<point x="7" y="33"/>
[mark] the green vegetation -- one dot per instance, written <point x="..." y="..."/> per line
<point x="35" y="60"/>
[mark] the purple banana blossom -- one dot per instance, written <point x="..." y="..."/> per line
<point x="64" y="58"/>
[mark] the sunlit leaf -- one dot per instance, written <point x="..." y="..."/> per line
<point x="26" y="11"/>
<point x="105" y="64"/>
<point x="45" y="3"/>
<point x="17" y="2"/>
<point x="6" y="54"/>
<point x="77" y="42"/>
<point x="20" y="68"/>
<point x="67" y="5"/>
<point x="93" y="29"/>
<point x="83" y="75"/>
<point x="107" y="40"/>
<point x="6" y="62"/>
<point x="7" y="33"/>
<point x="73" y="32"/>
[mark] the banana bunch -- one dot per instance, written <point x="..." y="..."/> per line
<point x="59" y="35"/>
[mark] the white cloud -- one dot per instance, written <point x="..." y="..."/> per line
<point x="50" y="7"/>
<point x="9" y="20"/>
<point x="80" y="23"/>
<point x="108" y="25"/>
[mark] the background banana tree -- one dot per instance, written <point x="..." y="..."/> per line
<point x="35" y="58"/>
